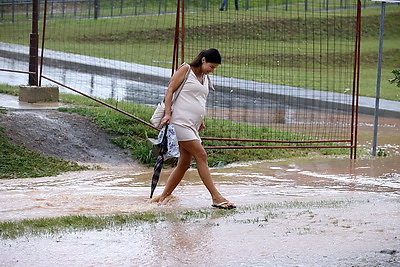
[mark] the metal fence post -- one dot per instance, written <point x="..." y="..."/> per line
<point x="96" y="8"/>
<point x="33" y="50"/>
<point x="12" y="11"/>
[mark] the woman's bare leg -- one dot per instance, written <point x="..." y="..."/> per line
<point x="176" y="175"/>
<point x="200" y="155"/>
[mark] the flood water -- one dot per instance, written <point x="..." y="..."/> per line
<point x="361" y="230"/>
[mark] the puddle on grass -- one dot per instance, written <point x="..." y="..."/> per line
<point x="363" y="232"/>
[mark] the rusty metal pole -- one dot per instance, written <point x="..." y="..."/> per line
<point x="33" y="45"/>
<point x="183" y="32"/>
<point x="176" y="38"/>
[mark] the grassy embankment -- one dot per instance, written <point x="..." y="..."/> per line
<point x="17" y="162"/>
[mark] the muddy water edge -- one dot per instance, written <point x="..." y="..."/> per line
<point x="296" y="212"/>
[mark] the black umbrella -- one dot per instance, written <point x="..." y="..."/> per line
<point x="162" y="149"/>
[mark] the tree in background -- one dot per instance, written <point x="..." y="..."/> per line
<point x="396" y="79"/>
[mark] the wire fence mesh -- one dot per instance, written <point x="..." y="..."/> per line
<point x="287" y="73"/>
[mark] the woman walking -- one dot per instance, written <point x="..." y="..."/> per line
<point x="188" y="119"/>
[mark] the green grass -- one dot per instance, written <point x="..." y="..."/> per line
<point x="17" y="162"/>
<point x="143" y="7"/>
<point x="10" y="90"/>
<point x="263" y="212"/>
<point x="133" y="135"/>
<point x="148" y="40"/>
<point x="10" y="230"/>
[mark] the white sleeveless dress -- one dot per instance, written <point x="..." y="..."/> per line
<point x="189" y="108"/>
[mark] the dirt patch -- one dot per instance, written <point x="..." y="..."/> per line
<point x="63" y="135"/>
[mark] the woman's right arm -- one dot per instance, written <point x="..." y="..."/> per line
<point x="174" y="84"/>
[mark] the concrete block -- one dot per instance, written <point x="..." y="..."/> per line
<point x="34" y="94"/>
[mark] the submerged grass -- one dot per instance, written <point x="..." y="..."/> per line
<point x="43" y="226"/>
<point x="51" y="226"/>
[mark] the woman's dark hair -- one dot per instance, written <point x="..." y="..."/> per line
<point x="211" y="55"/>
